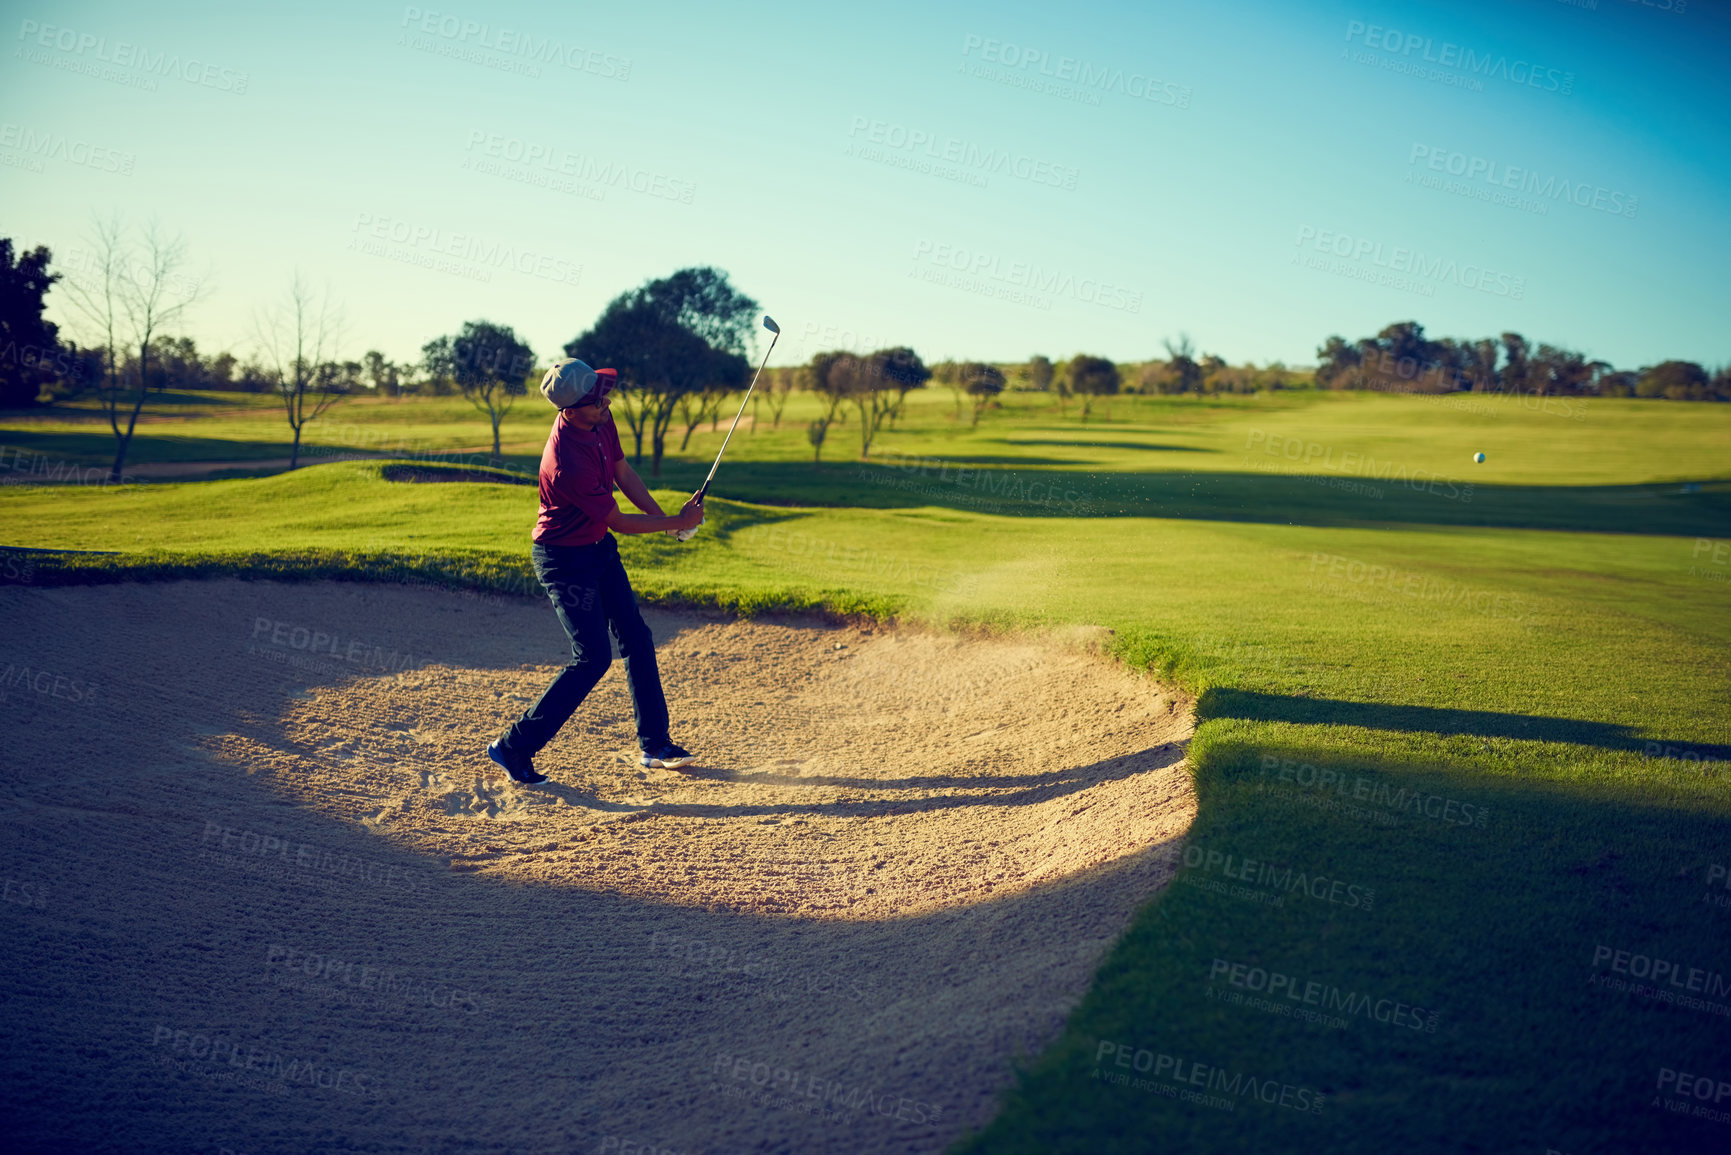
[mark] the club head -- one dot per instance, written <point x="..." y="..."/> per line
<point x="769" y="323"/>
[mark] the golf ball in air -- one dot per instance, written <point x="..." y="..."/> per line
<point x="1478" y="457"/>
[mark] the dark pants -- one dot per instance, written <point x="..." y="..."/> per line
<point x="592" y="596"/>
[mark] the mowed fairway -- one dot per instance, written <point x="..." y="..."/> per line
<point x="1458" y="878"/>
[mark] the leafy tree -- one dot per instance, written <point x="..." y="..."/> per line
<point x="1674" y="381"/>
<point x="1618" y="384"/>
<point x="848" y="377"/>
<point x="1404" y="343"/>
<point x="831" y="376"/>
<point x="1215" y="378"/>
<point x="220" y="372"/>
<point x="1513" y="377"/>
<point x="816" y="433"/>
<point x="983" y="383"/>
<point x="1274" y="376"/>
<point x="488" y="363"/>
<point x="876" y="384"/>
<point x="383" y="374"/>
<point x="79" y="369"/>
<point x="1553" y="370"/>
<point x="254" y="377"/>
<point x="900" y="369"/>
<point x="1151" y="377"/>
<point x="1478" y="360"/>
<point x="1039" y="372"/>
<point x="29" y="345"/>
<point x="1092" y="377"/>
<point x="1337" y="363"/>
<point x="176" y="364"/>
<point x="1184" y="375"/>
<point x="1402" y="358"/>
<point x="668" y="338"/>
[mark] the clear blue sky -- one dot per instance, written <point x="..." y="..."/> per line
<point x="1091" y="218"/>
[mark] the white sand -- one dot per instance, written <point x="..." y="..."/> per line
<point x="892" y="873"/>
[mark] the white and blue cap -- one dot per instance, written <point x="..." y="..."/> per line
<point x="570" y="383"/>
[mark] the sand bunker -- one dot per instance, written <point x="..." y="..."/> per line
<point x="277" y="899"/>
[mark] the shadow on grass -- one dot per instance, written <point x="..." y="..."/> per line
<point x="1019" y="491"/>
<point x="1251" y="706"/>
<point x="429" y="473"/>
<point x="990" y="791"/>
<point x="1008" y="486"/>
<point x="956" y="459"/>
<point x="155" y="446"/>
<point x="1447" y="977"/>
<point x="148" y="448"/>
<point x="1141" y="445"/>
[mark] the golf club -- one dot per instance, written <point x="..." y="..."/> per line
<point x="768" y="323"/>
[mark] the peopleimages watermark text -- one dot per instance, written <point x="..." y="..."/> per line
<point x="1417" y="586"/>
<point x="1465" y="62"/>
<point x="975" y="161"/>
<point x="133" y="64"/>
<point x="539" y="157"/>
<point x="1324" y="995"/>
<point x="1317" y="455"/>
<point x="459" y="32"/>
<point x="1403" y="267"/>
<point x="1514" y="178"/>
<point x="1397" y="800"/>
<point x="1068" y="77"/>
<point x="1023" y="282"/>
<point x="1192" y="1073"/>
<point x="39" y="145"/>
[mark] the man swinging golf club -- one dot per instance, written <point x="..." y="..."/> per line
<point x="577" y="560"/>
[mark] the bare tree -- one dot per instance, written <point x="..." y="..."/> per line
<point x="703" y="405"/>
<point x="632" y="404"/>
<point x="296" y="339"/>
<point x="949" y="375"/>
<point x="829" y="376"/>
<point x="782" y="387"/>
<point x="386" y="376"/>
<point x="129" y="291"/>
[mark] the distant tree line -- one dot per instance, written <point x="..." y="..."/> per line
<point x="1402" y="359"/>
<point x="681" y="346"/>
<point x="133" y="287"/>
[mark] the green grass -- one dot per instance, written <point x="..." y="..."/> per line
<point x="1520" y="653"/>
<point x="1528" y="441"/>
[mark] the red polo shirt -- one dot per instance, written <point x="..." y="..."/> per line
<point x="577" y="482"/>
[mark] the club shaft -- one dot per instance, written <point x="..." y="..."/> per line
<point x="742" y="403"/>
